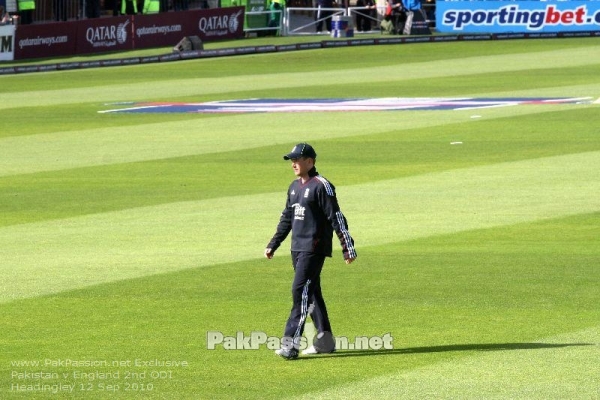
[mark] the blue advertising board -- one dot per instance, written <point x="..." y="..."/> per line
<point x="517" y="16"/>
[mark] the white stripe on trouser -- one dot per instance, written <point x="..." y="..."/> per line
<point x="303" y="314"/>
<point x="409" y="21"/>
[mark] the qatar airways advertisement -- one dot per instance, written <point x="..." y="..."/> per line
<point x="517" y="16"/>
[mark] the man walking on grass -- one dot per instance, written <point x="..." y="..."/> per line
<point x="312" y="214"/>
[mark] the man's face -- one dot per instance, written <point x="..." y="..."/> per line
<point x="302" y="165"/>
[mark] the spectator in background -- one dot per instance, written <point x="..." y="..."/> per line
<point x="324" y="15"/>
<point x="398" y="15"/>
<point x="26" y="8"/>
<point x="387" y="26"/>
<point x="181" y="5"/>
<point x="364" y="17"/>
<point x="412" y="5"/>
<point x="129" y="7"/>
<point x="276" y="9"/>
<point x="5" y="18"/>
<point x="416" y="19"/>
<point x="151" y="7"/>
<point x="92" y="8"/>
<point x="60" y="10"/>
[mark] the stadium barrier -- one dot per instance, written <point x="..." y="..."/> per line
<point x="296" y="21"/>
<point x="323" y="44"/>
<point x="303" y="20"/>
<point x="126" y="32"/>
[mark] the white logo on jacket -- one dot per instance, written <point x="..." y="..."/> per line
<point x="298" y="211"/>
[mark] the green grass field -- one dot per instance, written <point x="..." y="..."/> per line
<point x="128" y="237"/>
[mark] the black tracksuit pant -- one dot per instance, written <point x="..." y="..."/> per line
<point x="307" y="296"/>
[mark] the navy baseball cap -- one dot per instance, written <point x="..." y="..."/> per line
<point x="301" y="150"/>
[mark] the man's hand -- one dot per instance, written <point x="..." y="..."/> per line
<point x="269" y="253"/>
<point x="350" y="260"/>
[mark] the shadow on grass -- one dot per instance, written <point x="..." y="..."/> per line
<point x="451" y="347"/>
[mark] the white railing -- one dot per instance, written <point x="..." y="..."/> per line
<point x="303" y="21"/>
<point x="267" y="14"/>
<point x="297" y="23"/>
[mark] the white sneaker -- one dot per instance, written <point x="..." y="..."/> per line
<point x="288" y="354"/>
<point x="312" y="350"/>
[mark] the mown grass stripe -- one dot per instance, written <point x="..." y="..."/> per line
<point x="562" y="58"/>
<point x="560" y="367"/>
<point x="473" y="198"/>
<point x="92" y="147"/>
<point x="53" y="256"/>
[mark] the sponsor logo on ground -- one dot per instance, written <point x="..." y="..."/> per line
<point x="313" y="105"/>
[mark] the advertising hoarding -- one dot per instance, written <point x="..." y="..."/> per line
<point x="126" y="32"/>
<point x="7" y="42"/>
<point x="517" y="17"/>
<point x="105" y="34"/>
<point x="167" y="29"/>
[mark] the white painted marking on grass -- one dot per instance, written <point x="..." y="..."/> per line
<point x="131" y="108"/>
<point x="506" y="104"/>
<point x="120" y="103"/>
<point x="577" y="100"/>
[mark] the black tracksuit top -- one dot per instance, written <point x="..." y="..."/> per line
<point x="312" y="214"/>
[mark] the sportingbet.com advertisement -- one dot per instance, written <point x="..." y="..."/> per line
<point x="519" y="16"/>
